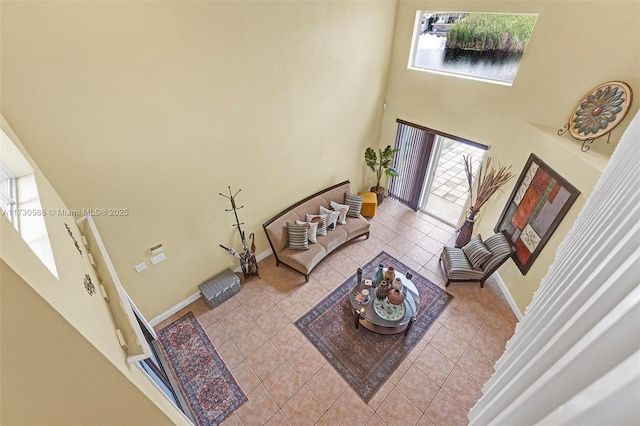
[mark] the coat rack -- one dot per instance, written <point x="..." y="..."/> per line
<point x="247" y="258"/>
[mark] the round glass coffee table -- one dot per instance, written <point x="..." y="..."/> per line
<point x="380" y="316"/>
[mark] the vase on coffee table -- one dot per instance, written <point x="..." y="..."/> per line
<point x="383" y="289"/>
<point x="395" y="297"/>
<point x="390" y="274"/>
<point x="379" y="275"/>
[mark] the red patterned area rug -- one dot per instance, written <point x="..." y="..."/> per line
<point x="209" y="388"/>
<point x="366" y="359"/>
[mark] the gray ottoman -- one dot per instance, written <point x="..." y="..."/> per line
<point x="220" y="288"/>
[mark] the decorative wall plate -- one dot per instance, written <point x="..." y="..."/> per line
<point x="600" y="110"/>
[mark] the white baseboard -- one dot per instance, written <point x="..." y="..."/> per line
<point x="175" y="308"/>
<point x="186" y="302"/>
<point x="508" y="296"/>
<point x="264" y="254"/>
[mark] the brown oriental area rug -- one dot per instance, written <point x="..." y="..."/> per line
<point x="366" y="359"/>
<point x="207" y="384"/>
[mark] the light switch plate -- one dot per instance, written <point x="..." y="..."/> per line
<point x="158" y="258"/>
<point x="141" y="267"/>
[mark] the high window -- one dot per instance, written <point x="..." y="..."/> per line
<point x="20" y="201"/>
<point x="479" y="46"/>
<point x="8" y="198"/>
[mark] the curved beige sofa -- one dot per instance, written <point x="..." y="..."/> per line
<point x="303" y="261"/>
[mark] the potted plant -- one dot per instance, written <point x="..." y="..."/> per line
<point x="488" y="182"/>
<point x="379" y="163"/>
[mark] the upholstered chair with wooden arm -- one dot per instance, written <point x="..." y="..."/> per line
<point x="477" y="260"/>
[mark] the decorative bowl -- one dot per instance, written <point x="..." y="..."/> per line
<point x="362" y="299"/>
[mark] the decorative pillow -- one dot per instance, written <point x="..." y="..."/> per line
<point x="313" y="230"/>
<point x="322" y="222"/>
<point x="476" y="252"/>
<point x="343" y="209"/>
<point x="298" y="236"/>
<point x="332" y="218"/>
<point x="354" y="202"/>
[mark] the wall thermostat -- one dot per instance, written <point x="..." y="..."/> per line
<point x="156" y="249"/>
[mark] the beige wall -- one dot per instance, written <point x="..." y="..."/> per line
<point x="50" y="375"/>
<point x="575" y="46"/>
<point x="59" y="346"/>
<point x="159" y="106"/>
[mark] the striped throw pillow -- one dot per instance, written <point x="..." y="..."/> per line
<point x="476" y="252"/>
<point x="354" y="202"/>
<point x="298" y="236"/>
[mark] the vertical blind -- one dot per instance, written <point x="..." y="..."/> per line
<point x="575" y="356"/>
<point x="415" y="145"/>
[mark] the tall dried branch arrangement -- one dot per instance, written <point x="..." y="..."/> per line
<point x="489" y="180"/>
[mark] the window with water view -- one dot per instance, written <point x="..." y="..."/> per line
<point x="481" y="46"/>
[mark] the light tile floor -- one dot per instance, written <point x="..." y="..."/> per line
<point x="288" y="381"/>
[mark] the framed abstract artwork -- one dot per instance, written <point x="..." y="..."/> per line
<point x="537" y="205"/>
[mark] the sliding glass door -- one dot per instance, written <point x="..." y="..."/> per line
<point x="431" y="170"/>
<point x="446" y="193"/>
<point x="414" y="144"/>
